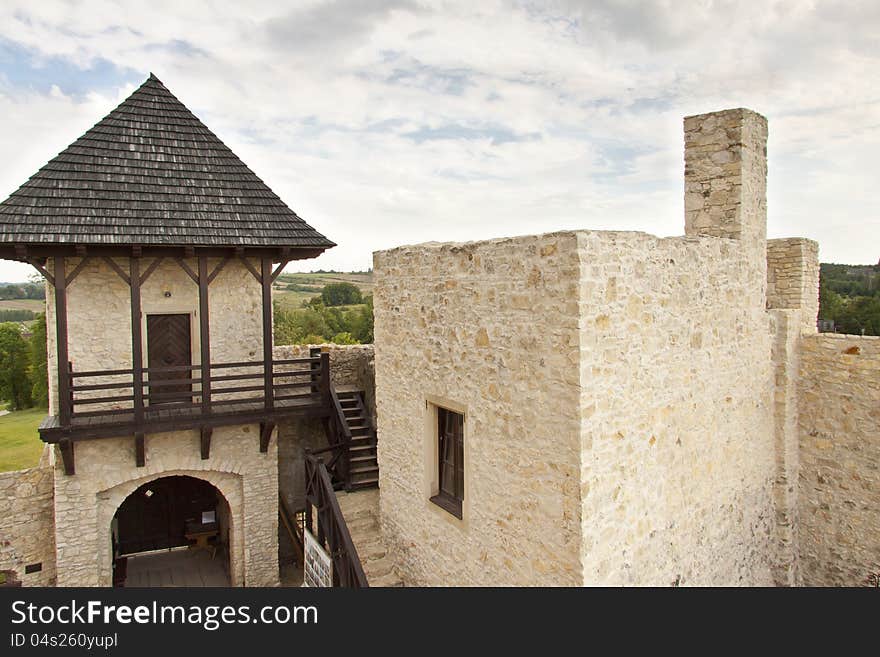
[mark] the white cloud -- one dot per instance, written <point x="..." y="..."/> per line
<point x="395" y="122"/>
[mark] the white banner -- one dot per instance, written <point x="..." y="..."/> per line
<point x="318" y="567"/>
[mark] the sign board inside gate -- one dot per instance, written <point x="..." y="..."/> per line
<point x="318" y="567"/>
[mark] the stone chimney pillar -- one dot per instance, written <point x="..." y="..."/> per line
<point x="725" y="176"/>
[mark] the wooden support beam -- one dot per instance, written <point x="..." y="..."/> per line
<point x="67" y="456"/>
<point x="140" y="457"/>
<point x="137" y="349"/>
<point x="266" y="280"/>
<point x="279" y="269"/>
<point x="156" y="262"/>
<point x="204" y="334"/>
<point x="217" y="269"/>
<point x="36" y="265"/>
<point x="64" y="405"/>
<point x="80" y="250"/>
<point x="76" y="270"/>
<point x="205" y="440"/>
<point x="112" y="263"/>
<point x="251" y="268"/>
<point x="266" y="429"/>
<point x="186" y="268"/>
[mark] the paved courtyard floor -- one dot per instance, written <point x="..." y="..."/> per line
<point x="177" y="568"/>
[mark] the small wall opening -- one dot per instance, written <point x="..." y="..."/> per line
<point x="172" y="531"/>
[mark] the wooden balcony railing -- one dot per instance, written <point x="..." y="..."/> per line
<point x="190" y="390"/>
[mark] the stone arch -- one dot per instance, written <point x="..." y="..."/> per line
<point x="228" y="484"/>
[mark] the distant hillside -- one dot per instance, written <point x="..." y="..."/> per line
<point x="849" y="295"/>
<point x="292" y="289"/>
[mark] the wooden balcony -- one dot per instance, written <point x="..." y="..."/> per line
<point x="126" y="402"/>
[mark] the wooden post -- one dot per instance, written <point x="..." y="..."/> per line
<point x="314" y="352"/>
<point x="205" y="442"/>
<point x="137" y="352"/>
<point x="64" y="405"/>
<point x="266" y="281"/>
<point x="140" y="457"/>
<point x="325" y="376"/>
<point x="67" y="456"/>
<point x="204" y="334"/>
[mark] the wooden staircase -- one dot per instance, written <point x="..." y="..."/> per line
<point x="363" y="464"/>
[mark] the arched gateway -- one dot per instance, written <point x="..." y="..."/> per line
<point x="172" y="531"/>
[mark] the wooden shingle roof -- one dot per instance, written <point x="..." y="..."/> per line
<point x="150" y="173"/>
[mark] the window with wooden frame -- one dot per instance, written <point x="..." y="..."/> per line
<point x="450" y="459"/>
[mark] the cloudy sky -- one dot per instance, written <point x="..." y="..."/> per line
<point x="391" y="122"/>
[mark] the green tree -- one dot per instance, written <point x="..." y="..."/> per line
<point x="343" y="338"/>
<point x="39" y="368"/>
<point x="341" y="294"/>
<point x="15" y="384"/>
<point x="13" y="315"/>
<point x="362" y="322"/>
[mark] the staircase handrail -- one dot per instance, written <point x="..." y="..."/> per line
<point x="347" y="567"/>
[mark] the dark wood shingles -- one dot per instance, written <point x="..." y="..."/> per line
<point x="151" y="164"/>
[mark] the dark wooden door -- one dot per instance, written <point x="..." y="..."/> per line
<point x="168" y="345"/>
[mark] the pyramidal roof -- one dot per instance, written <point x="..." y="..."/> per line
<point x="151" y="173"/>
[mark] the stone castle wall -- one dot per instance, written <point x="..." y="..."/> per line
<point x="616" y="386"/>
<point x="676" y="421"/>
<point x="489" y="329"/>
<point x="27" y="528"/>
<point x="793" y="278"/>
<point x="785" y="331"/>
<point x="839" y="422"/>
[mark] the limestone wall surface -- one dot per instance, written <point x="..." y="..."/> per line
<point x="677" y="459"/>
<point x="616" y="385"/>
<point x="106" y="474"/>
<point x="27" y="529"/>
<point x="839" y="422"/>
<point x="489" y="329"/>
<point x="793" y="278"/>
<point x="785" y="331"/>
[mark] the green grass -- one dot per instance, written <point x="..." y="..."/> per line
<point x="20" y="444"/>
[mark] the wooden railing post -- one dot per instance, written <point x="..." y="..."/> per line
<point x="70" y="386"/>
<point x="137" y="350"/>
<point x="315" y="367"/>
<point x="266" y="282"/>
<point x="309" y="492"/>
<point x="204" y="335"/>
<point x="325" y="377"/>
<point x="60" y="276"/>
